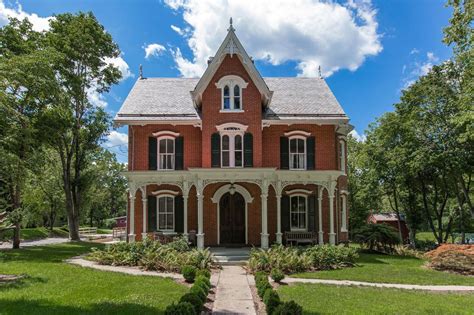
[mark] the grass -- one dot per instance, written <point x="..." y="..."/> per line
<point x="29" y="234"/>
<point x="390" y="269"/>
<point x="328" y="299"/>
<point x="55" y="287"/>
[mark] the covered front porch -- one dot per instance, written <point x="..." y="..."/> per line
<point x="236" y="207"/>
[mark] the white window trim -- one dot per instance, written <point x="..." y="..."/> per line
<point x="158" y="153"/>
<point x="231" y="81"/>
<point x="306" y="212"/>
<point x="304" y="153"/>
<point x="231" y="150"/>
<point x="342" y="156"/>
<point x="158" y="213"/>
<point x="344" y="213"/>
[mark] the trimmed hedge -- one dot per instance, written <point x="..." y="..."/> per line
<point x="182" y="308"/>
<point x="271" y="299"/>
<point x="189" y="273"/>
<point x="277" y="275"/>
<point x="288" y="308"/>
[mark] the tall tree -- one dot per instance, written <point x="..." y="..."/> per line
<point x="74" y="127"/>
<point x="27" y="86"/>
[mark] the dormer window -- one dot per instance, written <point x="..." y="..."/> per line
<point x="231" y="86"/>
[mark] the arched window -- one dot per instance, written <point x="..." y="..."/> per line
<point x="298" y="212"/>
<point x="226" y="99"/>
<point x="236" y="96"/>
<point x="165" y="215"/>
<point x="297" y="153"/>
<point x="166" y="153"/>
<point x="232" y="150"/>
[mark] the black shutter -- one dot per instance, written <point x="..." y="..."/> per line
<point x="284" y="153"/>
<point x="285" y="214"/>
<point x="310" y="146"/>
<point x="311" y="213"/>
<point x="248" y="150"/>
<point x="179" y="214"/>
<point x="152" y="159"/>
<point x="179" y="153"/>
<point x="151" y="213"/>
<point x="215" y="150"/>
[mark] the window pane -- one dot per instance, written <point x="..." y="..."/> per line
<point x="169" y="204"/>
<point x="293" y="145"/>
<point x="163" y="146"/>
<point x="294" y="203"/>
<point x="161" y="204"/>
<point x="236" y="102"/>
<point x="236" y="90"/>
<point x="225" y="143"/>
<point x="161" y="222"/>
<point x="169" y="162"/>
<point x="238" y="158"/>
<point x="300" y="146"/>
<point x="302" y="220"/>
<point x="226" y="102"/>
<point x="225" y="158"/>
<point x="226" y="91"/>
<point x="238" y="142"/>
<point x="294" y="220"/>
<point x="169" y="146"/>
<point x="169" y="222"/>
<point x="162" y="161"/>
<point x="302" y="204"/>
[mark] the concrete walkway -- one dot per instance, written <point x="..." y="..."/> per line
<point x="233" y="295"/>
<point x="42" y="242"/>
<point x="451" y="288"/>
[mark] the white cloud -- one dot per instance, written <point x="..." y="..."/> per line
<point x="418" y="68"/>
<point x="178" y="30"/>
<point x="414" y="51"/>
<point x="153" y="50"/>
<point x="116" y="138"/>
<point x="95" y="98"/>
<point x="310" y="32"/>
<point x="39" y="23"/>
<point x="357" y="136"/>
<point x="122" y="65"/>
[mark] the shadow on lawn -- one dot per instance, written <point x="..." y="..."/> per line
<point x="21" y="282"/>
<point x="45" y="307"/>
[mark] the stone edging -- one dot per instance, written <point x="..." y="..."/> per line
<point x="451" y="288"/>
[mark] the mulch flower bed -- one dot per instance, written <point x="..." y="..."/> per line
<point x="453" y="257"/>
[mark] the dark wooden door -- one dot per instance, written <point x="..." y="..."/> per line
<point x="232" y="219"/>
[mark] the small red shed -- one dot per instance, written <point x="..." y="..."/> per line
<point x="392" y="220"/>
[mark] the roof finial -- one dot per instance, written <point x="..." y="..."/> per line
<point x="140" y="76"/>
<point x="319" y="70"/>
<point x="231" y="28"/>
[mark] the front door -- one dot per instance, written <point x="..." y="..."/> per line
<point x="232" y="219"/>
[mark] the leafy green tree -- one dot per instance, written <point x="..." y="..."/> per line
<point x="74" y="127"/>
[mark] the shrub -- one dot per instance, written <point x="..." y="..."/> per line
<point x="288" y="308"/>
<point x="287" y="259"/>
<point x="277" y="275"/>
<point x="189" y="273"/>
<point x="194" y="300"/>
<point x="182" y="308"/>
<point x="425" y="245"/>
<point x="380" y="237"/>
<point x="200" y="292"/>
<point x="271" y="300"/>
<point x="202" y="281"/>
<point x="262" y="284"/>
<point x="406" y="251"/>
<point x="179" y="244"/>
<point x="203" y="272"/>
<point x="331" y="257"/>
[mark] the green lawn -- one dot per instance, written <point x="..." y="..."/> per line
<point x="54" y="287"/>
<point x="390" y="269"/>
<point x="35" y="233"/>
<point x="328" y="299"/>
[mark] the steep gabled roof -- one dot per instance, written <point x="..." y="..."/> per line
<point x="231" y="45"/>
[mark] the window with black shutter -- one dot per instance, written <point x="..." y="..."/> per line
<point x="151" y="213"/>
<point x="285" y="214"/>
<point x="179" y="214"/>
<point x="248" y="150"/>
<point x="179" y="153"/>
<point x="310" y="156"/>
<point x="215" y="150"/>
<point x="152" y="151"/>
<point x="284" y="153"/>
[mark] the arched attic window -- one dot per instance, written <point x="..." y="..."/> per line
<point x="231" y="86"/>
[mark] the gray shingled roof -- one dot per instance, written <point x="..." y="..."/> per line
<point x="170" y="99"/>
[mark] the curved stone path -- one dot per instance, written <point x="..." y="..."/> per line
<point x="41" y="242"/>
<point x="450" y="288"/>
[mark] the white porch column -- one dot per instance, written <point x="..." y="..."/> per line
<point x="320" y="215"/>
<point x="144" y="206"/>
<point x="332" y="234"/>
<point x="185" y="214"/>
<point x="200" y="197"/>
<point x="131" y="221"/>
<point x="278" y="232"/>
<point x="264" y="234"/>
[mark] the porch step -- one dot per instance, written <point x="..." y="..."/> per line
<point x="231" y="256"/>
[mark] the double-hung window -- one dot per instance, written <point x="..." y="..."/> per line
<point x="232" y="150"/>
<point x="297" y="153"/>
<point x="166" y="152"/>
<point x="165" y="213"/>
<point x="231" y="97"/>
<point x="298" y="212"/>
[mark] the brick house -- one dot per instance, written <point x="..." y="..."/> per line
<point x="234" y="157"/>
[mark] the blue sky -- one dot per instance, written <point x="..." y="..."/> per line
<point x="369" y="50"/>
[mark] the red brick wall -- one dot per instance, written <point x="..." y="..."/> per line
<point x="325" y="151"/>
<point x="211" y="106"/>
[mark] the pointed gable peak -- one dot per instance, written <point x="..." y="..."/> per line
<point x="231" y="46"/>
